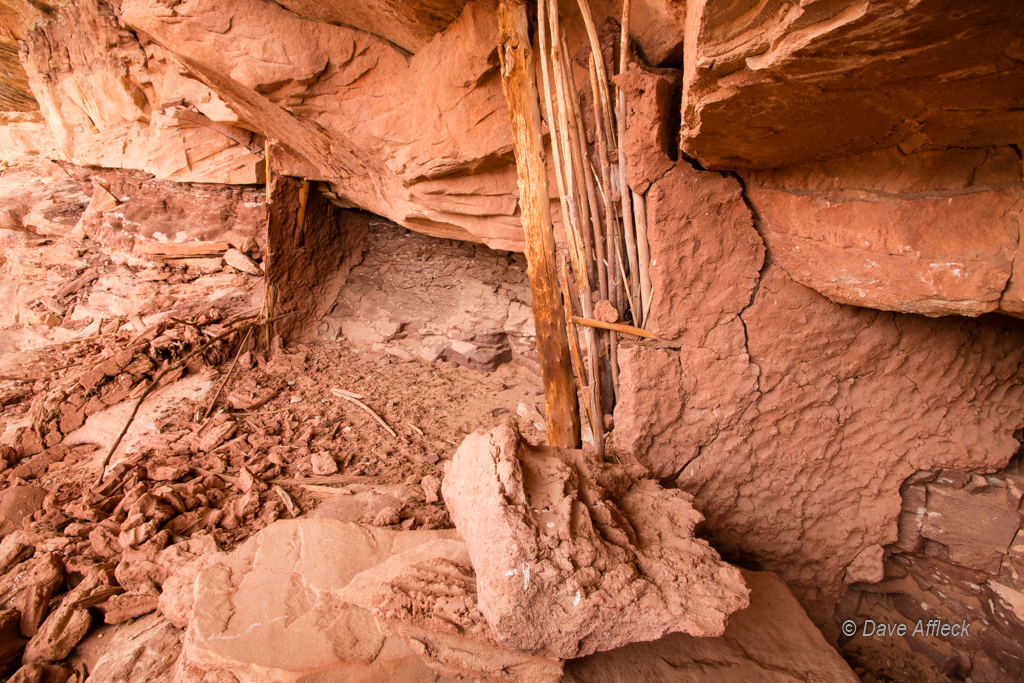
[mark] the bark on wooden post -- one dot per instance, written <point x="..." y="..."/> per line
<point x="518" y="80"/>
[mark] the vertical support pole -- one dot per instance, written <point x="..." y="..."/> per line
<point x="518" y="80"/>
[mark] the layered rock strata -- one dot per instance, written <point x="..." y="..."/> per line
<point x="935" y="233"/>
<point x="958" y="562"/>
<point x="779" y="83"/>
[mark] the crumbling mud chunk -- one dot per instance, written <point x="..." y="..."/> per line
<point x="573" y="556"/>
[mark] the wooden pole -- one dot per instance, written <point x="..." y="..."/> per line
<point x="628" y="229"/>
<point x="643" y="255"/>
<point x="518" y="70"/>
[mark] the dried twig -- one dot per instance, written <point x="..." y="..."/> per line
<point x="341" y="393"/>
<point x="241" y="348"/>
<point x="328" y="479"/>
<point x="346" y="393"/>
<point x="321" y="491"/>
<point x="163" y="373"/>
<point x="643" y="253"/>
<point x="617" y="327"/>
<point x="262" y="402"/>
<point x="293" y="509"/>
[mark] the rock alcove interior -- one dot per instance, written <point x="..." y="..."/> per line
<point x="831" y="195"/>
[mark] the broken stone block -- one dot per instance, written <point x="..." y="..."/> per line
<point x="771" y="640"/>
<point x="323" y="464"/>
<point x="427" y="596"/>
<point x="16" y="548"/>
<point x="217" y="435"/>
<point x="102" y="201"/>
<point x="142" y="652"/>
<point x="17" y="503"/>
<point x="121" y="608"/>
<point x="555" y="532"/>
<point x="977" y="528"/>
<point x="388" y="516"/>
<point x="271" y="609"/>
<point x="65" y="626"/>
<point x="12" y="643"/>
<point x="241" y="262"/>
<point x="28" y="589"/>
<point x="41" y="673"/>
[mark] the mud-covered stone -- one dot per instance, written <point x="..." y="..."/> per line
<point x="555" y="532"/>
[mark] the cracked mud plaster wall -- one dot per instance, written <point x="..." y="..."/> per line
<point x="792" y="419"/>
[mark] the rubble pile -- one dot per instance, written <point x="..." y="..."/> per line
<point x="958" y="563"/>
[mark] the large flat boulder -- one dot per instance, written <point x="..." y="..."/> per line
<point x="771" y="641"/>
<point x="270" y="610"/>
<point x="573" y="556"/>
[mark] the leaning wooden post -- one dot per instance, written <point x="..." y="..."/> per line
<point x="518" y="80"/>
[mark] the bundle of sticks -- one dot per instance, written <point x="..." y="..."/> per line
<point x="605" y="222"/>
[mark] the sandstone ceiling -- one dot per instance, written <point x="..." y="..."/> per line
<point x="397" y="106"/>
<point x="774" y="83"/>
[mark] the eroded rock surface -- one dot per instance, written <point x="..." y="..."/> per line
<point x="772" y="640"/>
<point x="934" y="233"/>
<point x="552" y="532"/>
<point x="775" y="84"/>
<point x="270" y="610"/>
<point x="836" y="405"/>
<point x="427" y="595"/>
<point x="110" y="101"/>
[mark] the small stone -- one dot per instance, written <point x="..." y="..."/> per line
<point x="242" y="243"/>
<point x="953" y="478"/>
<point x="431" y="489"/>
<point x="241" y="262"/>
<point x="388" y="516"/>
<point x="324" y="464"/>
<point x="217" y="435"/>
<point x="102" y="200"/>
<point x="977" y="483"/>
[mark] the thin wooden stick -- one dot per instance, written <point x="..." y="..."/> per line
<point x="556" y="153"/>
<point x="340" y="393"/>
<point x="293" y="509"/>
<point x="220" y="389"/>
<point x="566" y="158"/>
<point x="618" y="327"/>
<point x="643" y="254"/>
<point x="574" y="349"/>
<point x="601" y="71"/>
<point x="597" y="238"/>
<point x="347" y="393"/>
<point x="327" y="479"/>
<point x="605" y="189"/>
<point x="577" y="155"/>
